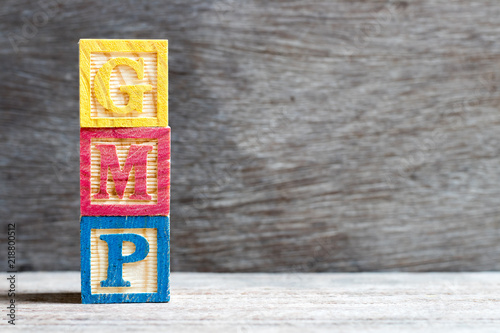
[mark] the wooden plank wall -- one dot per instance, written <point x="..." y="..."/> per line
<point x="306" y="135"/>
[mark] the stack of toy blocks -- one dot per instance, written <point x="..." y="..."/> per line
<point x="124" y="171"/>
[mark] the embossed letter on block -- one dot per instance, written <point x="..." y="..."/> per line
<point x="123" y="83"/>
<point x="125" y="259"/>
<point x="125" y="171"/>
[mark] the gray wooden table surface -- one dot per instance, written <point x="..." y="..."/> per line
<point x="306" y="302"/>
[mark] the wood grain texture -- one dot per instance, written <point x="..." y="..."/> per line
<point x="125" y="171"/>
<point x="142" y="275"/>
<point x="125" y="259"/>
<point x="248" y="303"/>
<point x="102" y="102"/>
<point x="124" y="75"/>
<point x="122" y="150"/>
<point x="309" y="136"/>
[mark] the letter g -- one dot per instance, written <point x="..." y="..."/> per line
<point x="135" y="92"/>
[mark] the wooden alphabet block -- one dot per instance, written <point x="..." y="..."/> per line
<point x="125" y="259"/>
<point x="123" y="83"/>
<point x="125" y="171"/>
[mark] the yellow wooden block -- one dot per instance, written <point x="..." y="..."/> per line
<point x="123" y="83"/>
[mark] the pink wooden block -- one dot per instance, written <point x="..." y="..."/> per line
<point x="125" y="171"/>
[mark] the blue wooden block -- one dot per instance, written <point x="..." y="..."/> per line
<point x="125" y="259"/>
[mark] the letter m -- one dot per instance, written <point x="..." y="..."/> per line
<point x="137" y="157"/>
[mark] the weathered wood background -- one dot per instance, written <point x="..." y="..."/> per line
<point x="307" y="135"/>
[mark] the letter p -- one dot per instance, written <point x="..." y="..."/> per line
<point x="116" y="259"/>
